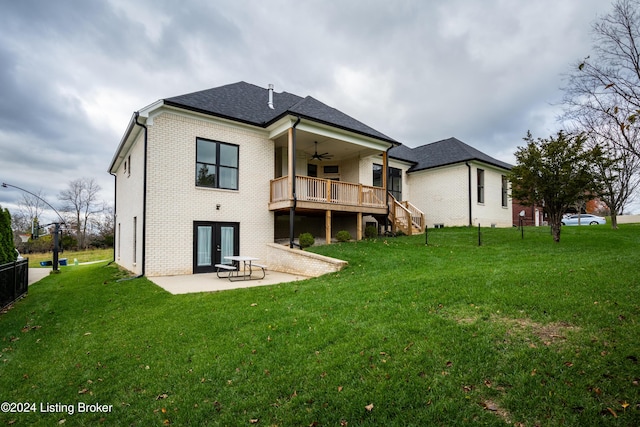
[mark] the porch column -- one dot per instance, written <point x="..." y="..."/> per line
<point x="359" y="225"/>
<point x="385" y="171"/>
<point x="291" y="157"/>
<point x="327" y="227"/>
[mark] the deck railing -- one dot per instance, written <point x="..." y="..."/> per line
<point x="328" y="191"/>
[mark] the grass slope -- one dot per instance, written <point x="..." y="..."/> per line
<point x="513" y="332"/>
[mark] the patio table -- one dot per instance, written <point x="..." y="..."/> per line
<point x="247" y="268"/>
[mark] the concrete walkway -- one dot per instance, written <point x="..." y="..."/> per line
<point x="36" y="274"/>
<point x="209" y="282"/>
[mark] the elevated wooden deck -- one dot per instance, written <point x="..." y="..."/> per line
<point x="327" y="195"/>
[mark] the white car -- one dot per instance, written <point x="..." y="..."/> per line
<point x="584" y="219"/>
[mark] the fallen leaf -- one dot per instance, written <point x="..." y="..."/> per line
<point x="369" y="407"/>
<point x="339" y="389"/>
<point x="254" y="305"/>
<point x="613" y="412"/>
<point x="343" y="423"/>
<point x="568" y="364"/>
<point x="162" y="396"/>
<point x="87" y="333"/>
<point x="254" y="421"/>
<point x="449" y="364"/>
<point x="83" y="391"/>
<point x="625" y="404"/>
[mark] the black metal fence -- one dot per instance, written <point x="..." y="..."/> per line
<point x="14" y="281"/>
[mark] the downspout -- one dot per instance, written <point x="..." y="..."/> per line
<point x="115" y="213"/>
<point x="144" y="196"/>
<point x="292" y="210"/>
<point x="470" y="204"/>
<point x="386" y="190"/>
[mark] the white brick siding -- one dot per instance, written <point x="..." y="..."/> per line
<point x="174" y="202"/>
<point x="129" y="196"/>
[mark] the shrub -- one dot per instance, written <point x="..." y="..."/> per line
<point x="343" y="236"/>
<point x="371" y="232"/>
<point x="306" y="240"/>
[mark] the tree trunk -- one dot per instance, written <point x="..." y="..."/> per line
<point x="614" y="220"/>
<point x="555" y="231"/>
<point x="555" y="220"/>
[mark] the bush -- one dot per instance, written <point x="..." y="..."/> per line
<point x="371" y="232"/>
<point x="343" y="236"/>
<point x="306" y="240"/>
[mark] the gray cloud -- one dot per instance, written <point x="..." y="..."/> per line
<point x="74" y="71"/>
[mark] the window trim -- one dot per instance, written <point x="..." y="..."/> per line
<point x="217" y="166"/>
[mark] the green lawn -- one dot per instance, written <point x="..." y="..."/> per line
<point x="513" y="332"/>
<point x="88" y="255"/>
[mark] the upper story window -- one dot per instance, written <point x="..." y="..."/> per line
<point x="480" y="176"/>
<point x="377" y="175"/>
<point x="216" y="164"/>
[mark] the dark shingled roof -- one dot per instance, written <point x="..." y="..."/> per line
<point x="247" y="103"/>
<point x="441" y="153"/>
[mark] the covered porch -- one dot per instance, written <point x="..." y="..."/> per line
<point x="324" y="171"/>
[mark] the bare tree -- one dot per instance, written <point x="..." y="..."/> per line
<point x="619" y="172"/>
<point x="80" y="200"/>
<point x="30" y="211"/>
<point x="603" y="90"/>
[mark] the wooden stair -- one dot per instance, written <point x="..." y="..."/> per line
<point x="405" y="217"/>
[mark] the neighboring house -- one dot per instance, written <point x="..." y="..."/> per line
<point x="530" y="215"/>
<point x="453" y="184"/>
<point x="233" y="169"/>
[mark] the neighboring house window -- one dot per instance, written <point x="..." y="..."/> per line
<point x="125" y="166"/>
<point x="216" y="164"/>
<point x="505" y="185"/>
<point x="480" y="177"/>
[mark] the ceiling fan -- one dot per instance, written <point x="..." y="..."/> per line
<point x="320" y="157"/>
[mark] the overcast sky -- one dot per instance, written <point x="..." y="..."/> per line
<point x="73" y="72"/>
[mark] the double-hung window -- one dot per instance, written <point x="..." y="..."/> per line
<point x="216" y="164"/>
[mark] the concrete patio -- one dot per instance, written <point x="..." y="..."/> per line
<point x="191" y="283"/>
<point x="209" y="282"/>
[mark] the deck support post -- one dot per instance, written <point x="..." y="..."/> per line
<point x="359" y="226"/>
<point x="327" y="226"/>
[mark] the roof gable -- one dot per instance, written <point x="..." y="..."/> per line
<point x="442" y="153"/>
<point x="247" y="103"/>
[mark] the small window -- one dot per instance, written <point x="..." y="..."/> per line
<point x="312" y="170"/>
<point x="216" y="164"/>
<point x="480" y="177"/>
<point x="125" y="166"/>
<point x="330" y="169"/>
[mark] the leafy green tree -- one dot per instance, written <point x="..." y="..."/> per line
<point x="555" y="173"/>
<point x="7" y="249"/>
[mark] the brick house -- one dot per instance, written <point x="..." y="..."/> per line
<point x="230" y="170"/>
